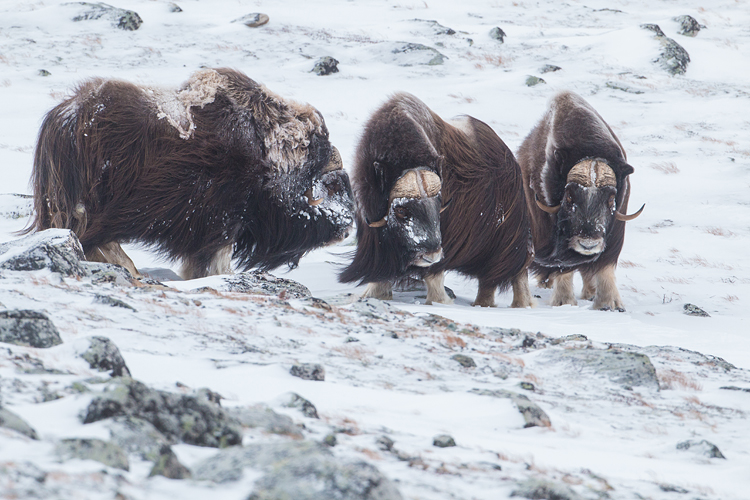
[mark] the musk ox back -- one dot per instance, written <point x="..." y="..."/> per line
<point x="576" y="179"/>
<point x="425" y="187"/>
<point x="218" y="168"/>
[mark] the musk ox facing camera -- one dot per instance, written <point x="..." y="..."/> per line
<point x="434" y="196"/>
<point x="576" y="178"/>
<point x="216" y="169"/>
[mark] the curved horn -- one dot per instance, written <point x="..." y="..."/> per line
<point x="549" y="210"/>
<point x="626" y="218"/>
<point x="447" y="204"/>
<point x="379" y="223"/>
<point x="335" y="163"/>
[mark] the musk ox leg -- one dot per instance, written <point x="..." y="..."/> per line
<point x="589" y="286"/>
<point x="548" y="282"/>
<point x="112" y="253"/>
<point x="382" y="290"/>
<point x="563" y="292"/>
<point x="521" y="291"/>
<point x="220" y="263"/>
<point x="607" y="297"/>
<point x="485" y="295"/>
<point x="436" y="289"/>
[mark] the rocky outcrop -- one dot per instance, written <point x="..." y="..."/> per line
<point x="123" y="19"/>
<point x="673" y="57"/>
<point x="261" y="282"/>
<point x="28" y="328"/>
<point x="9" y="420"/>
<point x="55" y="249"/>
<point x="93" y="449"/>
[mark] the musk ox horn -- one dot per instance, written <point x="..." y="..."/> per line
<point x="626" y="218"/>
<point x="312" y="201"/>
<point x="592" y="172"/>
<point x="415" y="183"/>
<point x="335" y="162"/>
<point x="549" y="210"/>
<point x="379" y="223"/>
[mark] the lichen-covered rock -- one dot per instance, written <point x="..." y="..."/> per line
<point x="253" y="20"/>
<point x="443" y="441"/>
<point x="112" y="301"/>
<point x="28" y="328"/>
<point x="627" y="369"/>
<point x="325" y="66"/>
<point x="294" y="400"/>
<point x="10" y="420"/>
<point x="103" y="355"/>
<point x="55" y="249"/>
<point x="308" y="371"/>
<point x="673" y="57"/>
<point x="263" y="417"/>
<point x="93" y="449"/>
<point x="688" y="25"/>
<point x="532" y="81"/>
<point x="299" y="470"/>
<point x="123" y="19"/>
<point x="693" y="310"/>
<point x="498" y="34"/>
<point x="701" y="447"/>
<point x="415" y="54"/>
<point x="541" y="489"/>
<point x="261" y="282"/>
<point x="549" y="68"/>
<point x="138" y="436"/>
<point x="102" y="273"/>
<point x="168" y="465"/>
<point x="191" y="419"/>
<point x="464" y="360"/>
<point x="531" y="412"/>
<point x="438" y="28"/>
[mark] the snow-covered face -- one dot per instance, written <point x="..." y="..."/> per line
<point x="585" y="217"/>
<point x="413" y="227"/>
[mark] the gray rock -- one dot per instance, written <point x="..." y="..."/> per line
<point x="160" y="274"/>
<point x="294" y="400"/>
<point x="138" y="436"/>
<point x="260" y="282"/>
<point x="549" y="68"/>
<point x="10" y="420"/>
<point x="193" y="419"/>
<point x="693" y="310"/>
<point x="735" y="388"/>
<point x="173" y="7"/>
<point x="127" y="20"/>
<point x="673" y="57"/>
<point x="102" y="273"/>
<point x="443" y="441"/>
<point x="168" y="465"/>
<point x="532" y="81"/>
<point x="93" y="449"/>
<point x="385" y="443"/>
<point x="28" y="328"/>
<point x="299" y="470"/>
<point x="532" y="413"/>
<point x="325" y="66"/>
<point x="376" y="309"/>
<point x="55" y="249"/>
<point x="438" y="28"/>
<point x="623" y="87"/>
<point x="569" y="338"/>
<point x="527" y="386"/>
<point x="627" y="369"/>
<point x="263" y="417"/>
<point x="463" y="360"/>
<point x="688" y="25"/>
<point x="103" y="355"/>
<point x="330" y="440"/>
<point x="22" y="480"/>
<point x="702" y="447"/>
<point x="112" y="301"/>
<point x="497" y="34"/>
<point x="541" y="489"/>
<point x="44" y="72"/>
<point x="309" y="371"/>
<point x="253" y="20"/>
<point x="415" y="54"/>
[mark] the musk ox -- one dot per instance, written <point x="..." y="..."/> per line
<point x="216" y="169"/>
<point x="576" y="180"/>
<point x="425" y="187"/>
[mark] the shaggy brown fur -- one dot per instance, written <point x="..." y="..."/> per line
<point x="570" y="131"/>
<point x="485" y="229"/>
<point x="220" y="166"/>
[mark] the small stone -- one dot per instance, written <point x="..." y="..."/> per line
<point x="423" y="55"/>
<point x="44" y="72"/>
<point x="497" y="34"/>
<point x="127" y="20"/>
<point x="28" y="328"/>
<point x="103" y="355"/>
<point x="330" y="440"/>
<point x="545" y="490"/>
<point x="528" y="342"/>
<point x="385" y="443"/>
<point x="443" y="441"/>
<point x="349" y="340"/>
<point x="623" y="87"/>
<point x="439" y="28"/>
<point x="693" y="310"/>
<point x="325" y="66"/>
<point x="569" y="338"/>
<point x="532" y="413"/>
<point x="169" y="466"/>
<point x="702" y="447"/>
<point x="465" y="361"/>
<point x="253" y="20"/>
<point x="261" y="282"/>
<point x="309" y="371"/>
<point x="173" y="7"/>
<point x="531" y="81"/>
<point x="94" y="449"/>
<point x="549" y="68"/>
<point x="263" y="417"/>
<point x="688" y="25"/>
<point x="527" y="386"/>
<point x="294" y="400"/>
<point x="112" y="301"/>
<point x="10" y="420"/>
<point x="735" y="388"/>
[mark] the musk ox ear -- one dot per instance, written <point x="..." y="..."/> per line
<point x="625" y="169"/>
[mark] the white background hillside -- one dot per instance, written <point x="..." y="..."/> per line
<point x="688" y="138"/>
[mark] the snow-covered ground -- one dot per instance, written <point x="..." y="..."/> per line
<point x="688" y="138"/>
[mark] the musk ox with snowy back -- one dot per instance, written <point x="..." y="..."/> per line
<point x="216" y="169"/>
<point x="577" y="187"/>
<point x="426" y="188"/>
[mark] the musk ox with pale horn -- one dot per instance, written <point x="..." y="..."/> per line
<point x="216" y="169"/>
<point x="576" y="179"/>
<point x="435" y="196"/>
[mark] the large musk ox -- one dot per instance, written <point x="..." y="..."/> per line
<point x="577" y="187"/>
<point x="425" y="188"/>
<point x="216" y="169"/>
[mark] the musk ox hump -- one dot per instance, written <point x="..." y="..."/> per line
<point x="592" y="173"/>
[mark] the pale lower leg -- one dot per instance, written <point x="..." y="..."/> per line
<point x="521" y="291"/>
<point x="112" y="253"/>
<point x="607" y="297"/>
<point x="382" y="290"/>
<point x="563" y="292"/>
<point x="436" y="289"/>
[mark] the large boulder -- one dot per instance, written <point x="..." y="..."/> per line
<point x="123" y="19"/>
<point x="55" y="249"/>
<point x="28" y="328"/>
<point x="103" y="355"/>
<point x="673" y="57"/>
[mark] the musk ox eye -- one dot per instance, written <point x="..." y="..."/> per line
<point x="401" y="212"/>
<point x="568" y="198"/>
<point x="611" y="201"/>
